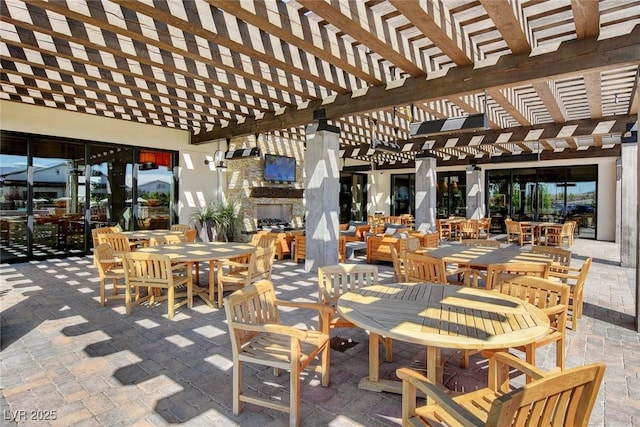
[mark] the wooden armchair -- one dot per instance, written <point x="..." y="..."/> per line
<point x="156" y="271"/>
<point x="335" y="280"/>
<point x="300" y="251"/>
<point x="558" y="255"/>
<point x="497" y="273"/>
<point x="234" y="274"/>
<point x="110" y="268"/>
<point x="564" y="399"/>
<point x="520" y="232"/>
<point x="258" y="337"/>
<point x="425" y="268"/>
<point x="552" y="298"/>
<point x="119" y="242"/>
<point x="560" y="235"/>
<point x="575" y="277"/>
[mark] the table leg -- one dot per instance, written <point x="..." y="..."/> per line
<point x="434" y="366"/>
<point x="201" y="292"/>
<point x="374" y="357"/>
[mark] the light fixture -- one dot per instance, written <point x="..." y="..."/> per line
<point x="219" y="154"/>
<point x="450" y="125"/>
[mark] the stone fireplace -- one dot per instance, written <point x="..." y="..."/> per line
<point x="263" y="200"/>
<point x="274" y="214"/>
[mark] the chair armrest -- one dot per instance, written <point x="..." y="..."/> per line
<point x="309" y="305"/>
<point x="412" y="380"/>
<point x="272" y="328"/>
<point x="324" y="311"/>
<point x="503" y="358"/>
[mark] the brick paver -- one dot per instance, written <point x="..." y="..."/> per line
<point x="92" y="365"/>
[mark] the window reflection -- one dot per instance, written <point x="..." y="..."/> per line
<point x="50" y="201"/>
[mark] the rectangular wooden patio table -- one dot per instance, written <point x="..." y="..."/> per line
<point x="438" y="316"/>
<point x="203" y="252"/>
<point x="480" y="257"/>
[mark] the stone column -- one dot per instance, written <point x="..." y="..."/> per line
<point x="629" y="205"/>
<point x="322" y="195"/>
<point x="475" y="195"/>
<point x="426" y="185"/>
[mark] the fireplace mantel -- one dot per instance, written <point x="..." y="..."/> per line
<point x="277" y="192"/>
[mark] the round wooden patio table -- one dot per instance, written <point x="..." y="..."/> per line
<point x="438" y="316"/>
<point x="202" y="252"/>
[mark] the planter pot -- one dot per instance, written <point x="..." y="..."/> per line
<point x="206" y="231"/>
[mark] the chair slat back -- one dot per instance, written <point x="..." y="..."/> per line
<point x="169" y="239"/>
<point x="146" y="269"/>
<point x="180" y="227"/>
<point x="119" y="242"/>
<point x="563" y="399"/>
<point x="335" y="280"/>
<point x="264" y="239"/>
<point x="496" y="272"/>
<point x="255" y="303"/>
<point x="263" y="263"/>
<point x="548" y="295"/>
<point x="424" y="268"/>
<point x="559" y="255"/>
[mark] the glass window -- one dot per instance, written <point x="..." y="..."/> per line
<point x="154" y="183"/>
<point x="451" y="194"/>
<point x="403" y="193"/>
<point x="545" y="194"/>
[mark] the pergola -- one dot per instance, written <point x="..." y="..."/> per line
<point x="553" y="78"/>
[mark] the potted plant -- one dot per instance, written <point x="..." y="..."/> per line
<point x="227" y="218"/>
<point x="203" y="220"/>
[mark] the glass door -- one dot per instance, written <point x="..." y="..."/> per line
<point x="13" y="201"/>
<point x="59" y="224"/>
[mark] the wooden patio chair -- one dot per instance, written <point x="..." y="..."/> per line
<point x="551" y="297"/>
<point x="484" y="228"/>
<point x="335" y="280"/>
<point x="300" y="251"/>
<point x="110" y="268"/>
<point x="425" y="268"/>
<point x="190" y="235"/>
<point x="445" y="230"/>
<point x="468" y="229"/>
<point x="560" y="235"/>
<point x="155" y="271"/>
<point x="575" y="277"/>
<point x="558" y="255"/>
<point x="258" y="337"/>
<point x="520" y="232"/>
<point x="169" y="239"/>
<point x="118" y="242"/>
<point x="180" y="227"/>
<point x="560" y="398"/>
<point x="496" y="273"/>
<point x="234" y="274"/>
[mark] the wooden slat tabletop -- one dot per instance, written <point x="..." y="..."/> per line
<point x="481" y="257"/>
<point x="446" y="316"/>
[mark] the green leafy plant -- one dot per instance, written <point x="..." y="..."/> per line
<point x="227" y="218"/>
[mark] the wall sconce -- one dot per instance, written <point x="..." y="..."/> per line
<point x="218" y="157"/>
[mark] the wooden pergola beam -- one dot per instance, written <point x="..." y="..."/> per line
<point x="570" y="58"/>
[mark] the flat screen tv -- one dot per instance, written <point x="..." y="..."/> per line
<point x="279" y="168"/>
